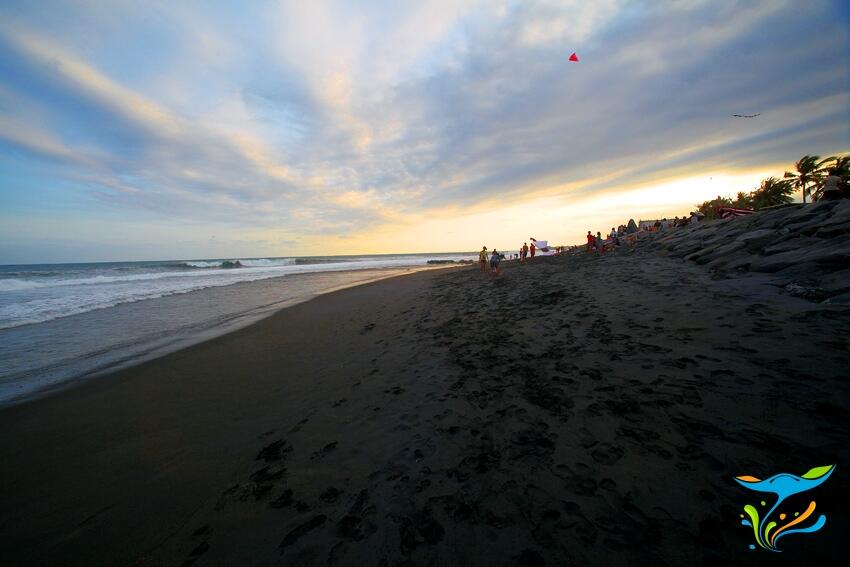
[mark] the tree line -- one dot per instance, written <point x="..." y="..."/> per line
<point x="808" y="176"/>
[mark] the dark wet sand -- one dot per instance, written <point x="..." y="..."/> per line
<point x="576" y="411"/>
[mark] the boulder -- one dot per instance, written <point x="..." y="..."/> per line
<point x="757" y="239"/>
<point x="828" y="256"/>
<point x="794" y="242"/>
<point x="806" y="248"/>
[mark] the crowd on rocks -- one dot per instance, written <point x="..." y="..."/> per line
<point x="628" y="233"/>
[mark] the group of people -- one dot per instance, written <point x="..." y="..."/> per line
<point x="527" y="250"/>
<point x="629" y="232"/>
<point x="666" y="224"/>
<point x="599" y="244"/>
<point x="494" y="258"/>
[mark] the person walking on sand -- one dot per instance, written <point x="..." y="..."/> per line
<point x="524" y="251"/>
<point x="495" y="258"/>
<point x="482" y="259"/>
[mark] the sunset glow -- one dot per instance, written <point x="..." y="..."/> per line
<point x="303" y="128"/>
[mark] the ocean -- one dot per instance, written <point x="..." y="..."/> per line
<point x="63" y="322"/>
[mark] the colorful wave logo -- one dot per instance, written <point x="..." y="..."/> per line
<point x="768" y="532"/>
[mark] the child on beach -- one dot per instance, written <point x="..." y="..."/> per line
<point x="482" y="259"/>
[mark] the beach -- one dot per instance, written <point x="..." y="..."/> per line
<point x="61" y="323"/>
<point x="581" y="409"/>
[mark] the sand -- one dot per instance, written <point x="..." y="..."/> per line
<point x="577" y="410"/>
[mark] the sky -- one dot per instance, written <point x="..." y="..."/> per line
<point x="166" y="130"/>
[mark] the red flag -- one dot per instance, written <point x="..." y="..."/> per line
<point x="574" y="57"/>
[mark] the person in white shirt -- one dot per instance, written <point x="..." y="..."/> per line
<point x="831" y="191"/>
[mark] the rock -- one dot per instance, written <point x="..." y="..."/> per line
<point x="805" y="250"/>
<point x="844" y="298"/>
<point x="757" y="239"/>
<point x="836" y="282"/>
<point x="732" y="263"/>
<point x="721" y="253"/>
<point x="829" y="257"/>
<point x="788" y="244"/>
<point x="778" y="262"/>
<point x="799" y="290"/>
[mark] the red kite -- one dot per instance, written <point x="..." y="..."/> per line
<point x="574" y="57"/>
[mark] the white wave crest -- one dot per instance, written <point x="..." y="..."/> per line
<point x="17" y="285"/>
<point x="261" y="262"/>
<point x="202" y="264"/>
<point x="251" y="263"/>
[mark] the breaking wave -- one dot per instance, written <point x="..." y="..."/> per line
<point x="255" y="263"/>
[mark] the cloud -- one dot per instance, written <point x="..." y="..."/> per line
<point x="330" y="118"/>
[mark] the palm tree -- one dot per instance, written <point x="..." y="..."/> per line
<point x="742" y="200"/>
<point x="809" y="170"/>
<point x="771" y="192"/>
<point x="842" y="167"/>
<point x="709" y="208"/>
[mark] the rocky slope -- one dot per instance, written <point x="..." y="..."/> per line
<point x="805" y="251"/>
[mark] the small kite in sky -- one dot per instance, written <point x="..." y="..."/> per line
<point x="574" y="57"/>
<point x="746" y="115"/>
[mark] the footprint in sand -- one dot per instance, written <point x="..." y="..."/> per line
<point x="324" y="450"/>
<point x="196" y="553"/>
<point x="284" y="500"/>
<point x="417" y="529"/>
<point x="355" y="526"/>
<point x="300" y="531"/>
<point x="274" y="452"/>
<point x="299" y="425"/>
<point x="330" y="495"/>
<point x="607" y="454"/>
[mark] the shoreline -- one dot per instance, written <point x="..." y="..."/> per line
<point x="447" y="417"/>
<point x="223" y="327"/>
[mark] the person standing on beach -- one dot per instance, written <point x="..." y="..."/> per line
<point x="591" y="241"/>
<point x="599" y="244"/>
<point x="482" y="259"/>
<point x="524" y="251"/>
<point x="532" y="249"/>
